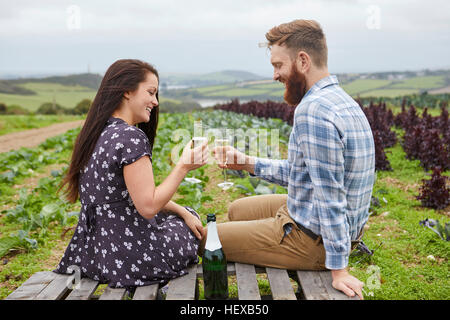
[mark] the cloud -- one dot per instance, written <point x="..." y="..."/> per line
<point x="209" y="35"/>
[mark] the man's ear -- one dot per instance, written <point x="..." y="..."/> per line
<point x="303" y="61"/>
<point x="126" y="95"/>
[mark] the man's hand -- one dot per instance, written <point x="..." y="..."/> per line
<point x="347" y="283"/>
<point x="230" y="158"/>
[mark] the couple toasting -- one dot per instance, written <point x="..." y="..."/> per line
<point x="130" y="233"/>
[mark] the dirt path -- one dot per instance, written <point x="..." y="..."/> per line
<point x="33" y="137"/>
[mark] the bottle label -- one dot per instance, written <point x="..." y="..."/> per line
<point x="212" y="240"/>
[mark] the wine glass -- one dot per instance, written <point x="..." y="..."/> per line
<point x="199" y="137"/>
<point x="223" y="142"/>
<point x="199" y="134"/>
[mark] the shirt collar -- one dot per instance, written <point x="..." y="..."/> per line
<point x="322" y="83"/>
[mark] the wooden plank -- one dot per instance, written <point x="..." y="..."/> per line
<point x="146" y="292"/>
<point x="280" y="285"/>
<point x="246" y="281"/>
<point x="86" y="288"/>
<point x="33" y="286"/>
<point x="113" y="294"/>
<point x="312" y="285"/>
<point x="334" y="294"/>
<point x="185" y="287"/>
<point x="55" y="289"/>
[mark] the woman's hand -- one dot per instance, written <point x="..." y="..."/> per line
<point x="194" y="158"/>
<point x="194" y="224"/>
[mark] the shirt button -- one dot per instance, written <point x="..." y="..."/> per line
<point x="262" y="170"/>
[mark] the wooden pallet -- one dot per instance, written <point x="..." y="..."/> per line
<point x="314" y="285"/>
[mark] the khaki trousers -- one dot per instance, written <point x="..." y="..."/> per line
<point x="255" y="235"/>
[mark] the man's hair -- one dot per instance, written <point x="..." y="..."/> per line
<point x="305" y="35"/>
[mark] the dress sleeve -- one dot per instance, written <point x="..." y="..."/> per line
<point x="130" y="145"/>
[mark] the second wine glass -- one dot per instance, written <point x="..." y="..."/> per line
<point x="223" y="142"/>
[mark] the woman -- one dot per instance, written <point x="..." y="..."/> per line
<point x="129" y="232"/>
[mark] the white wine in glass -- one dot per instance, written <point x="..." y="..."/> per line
<point x="198" y="141"/>
<point x="199" y="134"/>
<point x="223" y="143"/>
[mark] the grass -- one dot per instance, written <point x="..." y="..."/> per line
<point x="406" y="272"/>
<point x="361" y="85"/>
<point x="426" y="82"/>
<point x="401" y="244"/>
<point x="66" y="96"/>
<point x="390" y="93"/>
<point x="14" y="123"/>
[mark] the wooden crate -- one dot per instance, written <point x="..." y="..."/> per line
<point x="314" y="285"/>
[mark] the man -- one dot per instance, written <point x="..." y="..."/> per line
<point x="329" y="172"/>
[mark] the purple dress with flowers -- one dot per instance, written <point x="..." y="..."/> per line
<point x="112" y="242"/>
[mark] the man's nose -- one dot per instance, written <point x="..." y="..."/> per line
<point x="276" y="76"/>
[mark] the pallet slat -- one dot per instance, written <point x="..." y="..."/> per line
<point x="56" y="289"/>
<point x="185" y="287"/>
<point x="280" y="285"/>
<point x="246" y="281"/>
<point x="85" y="291"/>
<point x="33" y="286"/>
<point x="312" y="285"/>
<point x="146" y="292"/>
<point x="113" y="294"/>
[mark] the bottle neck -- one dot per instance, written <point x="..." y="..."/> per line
<point x="212" y="240"/>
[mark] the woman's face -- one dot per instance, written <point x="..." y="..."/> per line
<point x="143" y="99"/>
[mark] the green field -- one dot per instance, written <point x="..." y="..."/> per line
<point x="66" y="96"/>
<point x="391" y="93"/>
<point x="361" y="85"/>
<point x="413" y="261"/>
<point x="14" y="123"/>
<point x="426" y="82"/>
<point x="238" y="90"/>
<point x="69" y="96"/>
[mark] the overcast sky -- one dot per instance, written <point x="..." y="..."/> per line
<point x="199" y="36"/>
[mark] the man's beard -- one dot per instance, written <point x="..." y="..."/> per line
<point x="295" y="87"/>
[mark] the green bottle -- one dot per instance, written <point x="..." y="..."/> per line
<point x="214" y="264"/>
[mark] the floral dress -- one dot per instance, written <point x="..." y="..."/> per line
<point x="112" y="242"/>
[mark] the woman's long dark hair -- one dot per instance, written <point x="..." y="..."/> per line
<point x="122" y="76"/>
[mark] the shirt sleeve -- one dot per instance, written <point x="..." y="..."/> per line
<point x="275" y="171"/>
<point x="323" y="148"/>
<point x="131" y="145"/>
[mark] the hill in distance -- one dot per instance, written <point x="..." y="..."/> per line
<point x="92" y="81"/>
<point x="89" y="80"/>
<point x="207" y="79"/>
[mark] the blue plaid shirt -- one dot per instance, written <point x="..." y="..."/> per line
<point x="330" y="170"/>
